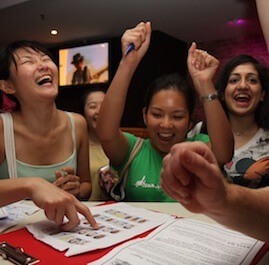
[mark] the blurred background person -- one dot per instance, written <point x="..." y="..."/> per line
<point x="91" y="102"/>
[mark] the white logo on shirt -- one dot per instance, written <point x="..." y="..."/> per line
<point x="142" y="183"/>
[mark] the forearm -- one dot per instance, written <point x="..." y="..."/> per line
<point x="218" y="127"/>
<point x="263" y="8"/>
<point x="112" y="108"/>
<point x="245" y="210"/>
<point x="12" y="190"/>
<point x="219" y="131"/>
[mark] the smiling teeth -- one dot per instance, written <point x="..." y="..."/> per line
<point x="165" y="134"/>
<point x="45" y="77"/>
<point x="242" y="96"/>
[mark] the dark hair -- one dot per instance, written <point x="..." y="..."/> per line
<point x="168" y="82"/>
<point x="262" y="111"/>
<point x="85" y="94"/>
<point x="7" y="57"/>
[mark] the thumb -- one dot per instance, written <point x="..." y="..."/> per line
<point x="148" y="34"/>
<point x="203" y="166"/>
<point x="192" y="48"/>
<point x="68" y="170"/>
<point x="149" y="29"/>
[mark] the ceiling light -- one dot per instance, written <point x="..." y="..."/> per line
<point x="53" y="32"/>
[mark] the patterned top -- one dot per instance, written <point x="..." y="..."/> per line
<point x="250" y="163"/>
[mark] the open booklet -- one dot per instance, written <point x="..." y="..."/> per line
<point x="186" y="241"/>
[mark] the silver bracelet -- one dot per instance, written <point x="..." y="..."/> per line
<point x="209" y="97"/>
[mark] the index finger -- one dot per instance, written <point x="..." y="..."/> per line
<point x="72" y="216"/>
<point x="84" y="210"/>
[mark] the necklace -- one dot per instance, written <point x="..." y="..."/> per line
<point x="239" y="133"/>
<point x="243" y="132"/>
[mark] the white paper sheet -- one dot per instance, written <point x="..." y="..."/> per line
<point x="186" y="241"/>
<point x="118" y="221"/>
<point x="3" y="213"/>
<point x="16" y="212"/>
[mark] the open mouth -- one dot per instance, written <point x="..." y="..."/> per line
<point x="46" y="79"/>
<point x="166" y="136"/>
<point x="242" y="98"/>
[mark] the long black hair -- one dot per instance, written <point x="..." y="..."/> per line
<point x="262" y="111"/>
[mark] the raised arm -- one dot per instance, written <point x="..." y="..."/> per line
<point x="112" y="139"/>
<point x="191" y="175"/>
<point x="202" y="67"/>
<point x="263" y="9"/>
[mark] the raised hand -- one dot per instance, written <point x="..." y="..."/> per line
<point x="140" y="37"/>
<point x="201" y="65"/>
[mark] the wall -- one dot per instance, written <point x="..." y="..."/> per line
<point x="224" y="50"/>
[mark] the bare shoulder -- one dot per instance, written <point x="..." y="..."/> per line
<point x="79" y="119"/>
<point x="80" y="124"/>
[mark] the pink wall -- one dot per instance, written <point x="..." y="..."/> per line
<point x="224" y="50"/>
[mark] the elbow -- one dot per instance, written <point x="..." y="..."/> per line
<point x="224" y="152"/>
<point x="85" y="191"/>
<point x="224" y="158"/>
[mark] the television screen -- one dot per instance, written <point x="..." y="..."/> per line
<point x="88" y="64"/>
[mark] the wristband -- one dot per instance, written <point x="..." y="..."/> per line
<point x="209" y="97"/>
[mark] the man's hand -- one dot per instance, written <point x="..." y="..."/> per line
<point x="191" y="175"/>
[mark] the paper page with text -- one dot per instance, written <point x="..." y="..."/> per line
<point x="118" y="222"/>
<point x="186" y="241"/>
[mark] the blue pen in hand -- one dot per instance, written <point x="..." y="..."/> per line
<point x="129" y="48"/>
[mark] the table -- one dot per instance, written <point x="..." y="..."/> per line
<point x="172" y="208"/>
